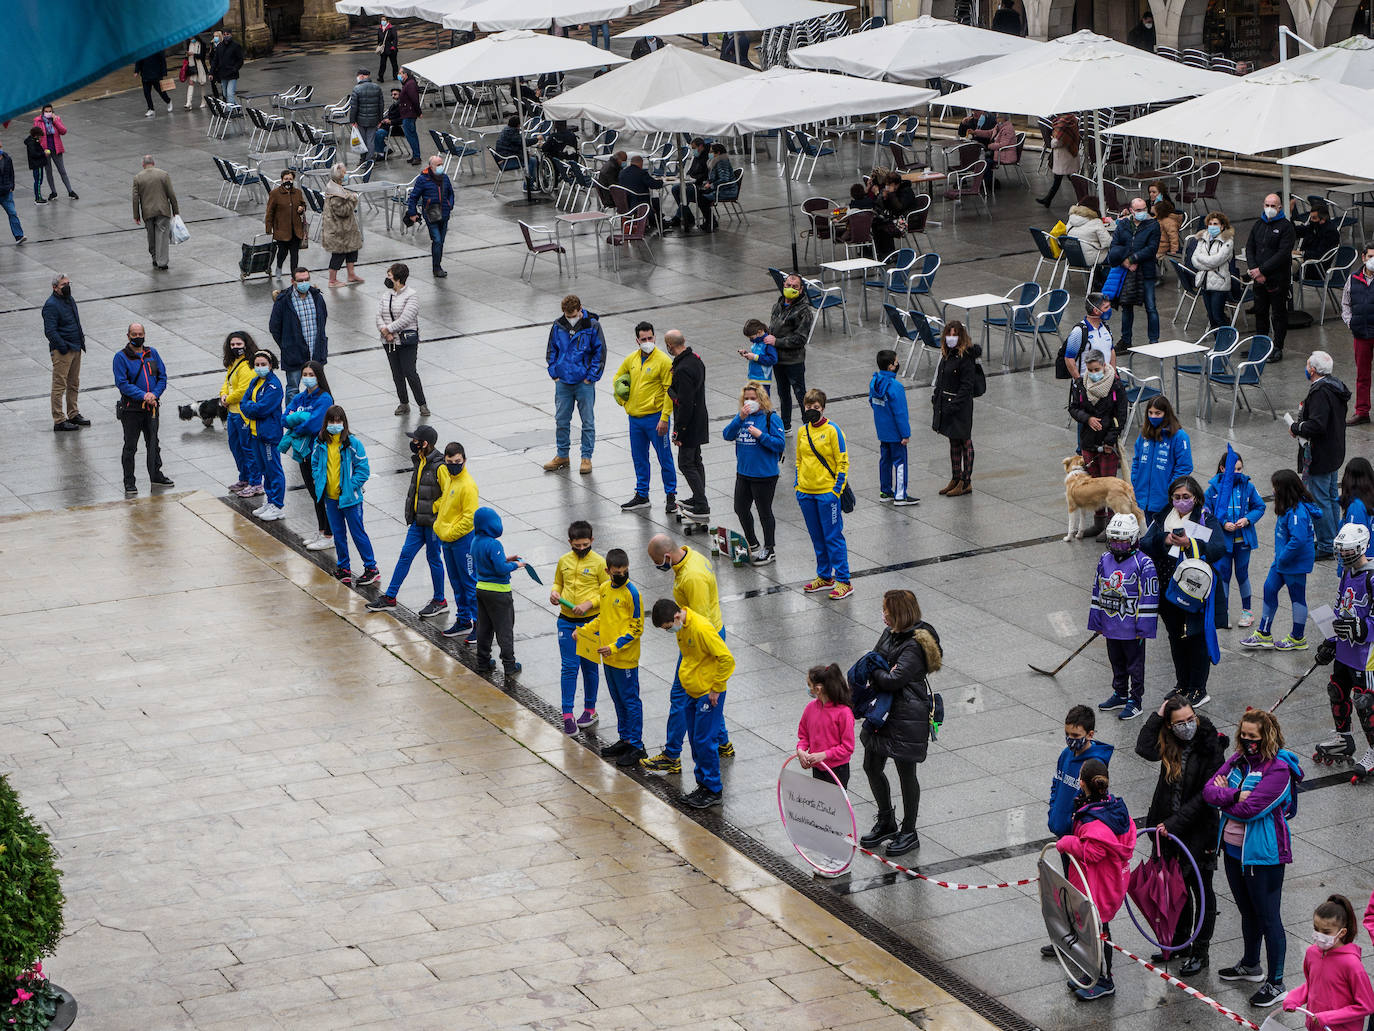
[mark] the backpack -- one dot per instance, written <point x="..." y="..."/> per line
<point x="1191" y="584"/>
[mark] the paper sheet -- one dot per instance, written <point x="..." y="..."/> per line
<point x="1325" y="618"/>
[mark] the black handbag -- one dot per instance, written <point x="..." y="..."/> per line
<point x="404" y="337"/>
<point x="847" y="498"/>
<point x="434" y="213"/>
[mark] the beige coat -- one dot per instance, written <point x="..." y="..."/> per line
<point x="153" y="195"/>
<point x="339" y="229"/>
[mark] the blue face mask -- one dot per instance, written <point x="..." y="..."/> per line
<point x="309" y="382"/>
<point x="1096" y="377"/>
<point x="303" y="288"/>
<point x="261" y="371"/>
<point x="1308" y="374"/>
<point x="1075" y="744"/>
<point x="1155" y="420"/>
<point x="1214" y="231"/>
<point x="335" y="427"/>
<point x="1141" y="216"/>
<point x="1105" y="315"/>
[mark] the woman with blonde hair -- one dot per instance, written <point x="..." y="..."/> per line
<point x="951" y="397"/>
<point x="340" y="233"/>
<point x="759" y="442"/>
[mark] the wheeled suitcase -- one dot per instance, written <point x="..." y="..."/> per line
<point x="257" y="256"/>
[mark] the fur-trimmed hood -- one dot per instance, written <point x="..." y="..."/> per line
<point x="930" y="644"/>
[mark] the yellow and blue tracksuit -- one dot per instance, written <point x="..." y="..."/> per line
<point x="648" y="404"/>
<point x="619" y="624"/>
<point x="261" y="406"/>
<point x="705" y="666"/>
<point x="818" y="493"/>
<point x="339" y="469"/>
<point x="578" y="580"/>
<point x="453" y="517"/>
<point x="887" y="398"/>
<point x="694" y="587"/>
<point x="237" y="379"/>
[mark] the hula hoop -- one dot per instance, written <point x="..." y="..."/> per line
<point x="1201" y="902"/>
<point x="1059" y="955"/>
<point x="853" y="821"/>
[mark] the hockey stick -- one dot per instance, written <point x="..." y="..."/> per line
<point x="1295" y="686"/>
<point x="1055" y="671"/>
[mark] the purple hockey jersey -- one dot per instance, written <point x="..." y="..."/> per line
<point x="1354" y="600"/>
<point x="1125" y="597"/>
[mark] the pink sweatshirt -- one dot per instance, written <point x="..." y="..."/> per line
<point x="1105" y="856"/>
<point x="1336" y="989"/>
<point x="828" y="729"/>
<point x="1369" y="916"/>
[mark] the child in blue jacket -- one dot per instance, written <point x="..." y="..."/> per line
<point x="261" y="407"/>
<point x="1237" y="512"/>
<point x="1357" y="500"/>
<point x="761" y="354"/>
<point x="1080" y="726"/>
<point x="495" y="607"/>
<point x="887" y="398"/>
<point x="1295" y="552"/>
<point x="339" y="468"/>
<point x="1162" y="454"/>
<point x="303" y="421"/>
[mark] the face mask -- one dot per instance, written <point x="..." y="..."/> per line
<point x="1184" y="731"/>
<point x="1096" y="377"/>
<point x="1369" y="265"/>
<point x="811" y="416"/>
<point x="666" y="565"/>
<point x="1214" y="231"/>
<point x="236" y="348"/>
<point x="335" y="428"/>
<point x="389" y="283"/>
<point x="1155" y="420"/>
<point x="136" y="342"/>
<point x="286" y="184"/>
<point x="750" y="407"/>
<point x="951" y="342"/>
<point x="1308" y="374"/>
<point x="1141" y="216"/>
<point x="66" y="291"/>
<point x="1075" y="744"/>
<point x="1325" y="942"/>
<point x="619" y="579"/>
<point x="1183" y="506"/>
<point x="646" y="347"/>
<point x="677" y="623"/>
<point x="582" y="552"/>
<point x="303" y="288"/>
<point x="1270" y="211"/>
<point x="791" y="293"/>
<point x="454" y="467"/>
<point x="309" y="382"/>
<point x="1120" y="549"/>
<point x="1249" y="748"/>
<point x="261" y="371"/>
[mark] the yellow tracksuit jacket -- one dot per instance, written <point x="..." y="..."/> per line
<point x="706" y="661"/>
<point x="237" y="379"/>
<point x="694" y="587"/>
<point x="457" y="504"/>
<point x="650" y="378"/>
<point x="811" y="474"/>
<point x="579" y="580"/>
<point x="619" y="624"/>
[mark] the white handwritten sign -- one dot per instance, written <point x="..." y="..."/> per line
<point x="817" y="816"/>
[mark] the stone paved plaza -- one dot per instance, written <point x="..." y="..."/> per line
<point x="275" y="809"/>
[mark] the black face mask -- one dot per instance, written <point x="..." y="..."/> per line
<point x="1249" y="748"/>
<point x="136" y="343"/>
<point x="582" y="552"/>
<point x="454" y="467"/>
<point x="415" y="448"/>
<point x="66" y="291"/>
<point x="811" y="416"/>
<point x="390" y="284"/>
<point x="619" y="579"/>
<point x="286" y="184"/>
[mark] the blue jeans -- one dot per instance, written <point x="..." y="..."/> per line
<point x="1258" y="893"/>
<point x="437" y="232"/>
<point x="379" y="140"/>
<point x="892" y="468"/>
<point x="705" y="733"/>
<point x="418" y="537"/>
<point x="572" y="663"/>
<point x="1151" y="316"/>
<point x="623" y="684"/>
<point x="412" y="137"/>
<point x="1297" y="594"/>
<point x="7" y="202"/>
<point x="268" y="459"/>
<point x="1239" y="560"/>
<point x="602" y="29"/>
<point x="230" y="88"/>
<point x="350" y="519"/>
<point x="825" y="524"/>
<point x="293" y="381"/>
<point x="1325" y="490"/>
<point x="643" y="435"/>
<point x="677" y="713"/>
<point x="458" y="559"/>
<point x="565" y="395"/>
<point x="1215" y="301"/>
<point x="241" y="447"/>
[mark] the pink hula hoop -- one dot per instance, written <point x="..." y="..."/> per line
<point x="853" y="821"/>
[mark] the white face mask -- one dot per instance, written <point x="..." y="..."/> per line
<point x="646" y="347"/>
<point x="1325" y="942"/>
<point x="751" y="407"/>
<point x="1369" y="264"/>
<point x="951" y="341"/>
<point x="1270" y="210"/>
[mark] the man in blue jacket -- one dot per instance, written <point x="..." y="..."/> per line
<point x="140" y="377"/>
<point x="576" y="358"/>
<point x="431" y="199"/>
<point x="887" y="398"/>
<point x="298" y="326"/>
<point x="7" y="196"/>
<point x="66" y="342"/>
<point x="1134" y="245"/>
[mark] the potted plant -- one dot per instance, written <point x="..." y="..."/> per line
<point x="30" y="923"/>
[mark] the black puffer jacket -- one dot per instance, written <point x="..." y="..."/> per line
<point x="1111" y="409"/>
<point x="1321" y="423"/>
<point x="911" y="654"/>
<point x="1179" y="806"/>
<point x="788" y="323"/>
<point x="425" y="483"/>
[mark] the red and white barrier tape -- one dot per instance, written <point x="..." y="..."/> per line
<point x="1187" y="989"/>
<point x="943" y="884"/>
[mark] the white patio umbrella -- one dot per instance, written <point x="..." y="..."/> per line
<point x="1350" y="61"/>
<point x="910" y="51"/>
<point x="775" y="99"/>
<point x="500" y="15"/>
<point x="1075" y="78"/>
<point x="1014" y="62"/>
<point x="1352" y="156"/>
<point x="511" y="55"/>
<point x="671" y="73"/>
<point x="733" y="16"/>
<point x="428" y="10"/>
<point x="1275" y="109"/>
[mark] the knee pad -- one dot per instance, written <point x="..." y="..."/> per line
<point x="1335" y="693"/>
<point x="1364" y="705"/>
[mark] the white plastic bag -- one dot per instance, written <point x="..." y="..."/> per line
<point x="355" y="142"/>
<point x="180" y="234"/>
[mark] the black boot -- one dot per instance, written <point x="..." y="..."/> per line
<point x="903" y="843"/>
<point x="1195" y="963"/>
<point x="884" y="828"/>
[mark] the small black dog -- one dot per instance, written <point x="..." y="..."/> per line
<point x="206" y="411"/>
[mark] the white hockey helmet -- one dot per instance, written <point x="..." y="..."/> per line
<point x="1351" y="542"/>
<point x="1123" y="527"/>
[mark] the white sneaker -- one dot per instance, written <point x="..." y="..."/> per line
<point x="268" y="512"/>
<point x="320" y="543"/>
<point x="148" y="113"/>
<point x="169" y="107"/>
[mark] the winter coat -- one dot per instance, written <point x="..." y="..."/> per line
<point x="1272" y="786"/>
<point x="1158" y="463"/>
<point x="1316" y="239"/>
<point x="1270" y="250"/>
<point x="1357" y="300"/>
<point x="1245" y="503"/>
<point x="1000" y="141"/>
<point x="339" y="229"/>
<point x="261" y="408"/>
<point x="285" y="214"/>
<point x="195" y="54"/>
<point x="788" y="324"/>
<point x="1212" y="258"/>
<point x="137" y="374"/>
<point x="1103" y="841"/>
<point x="353" y="470"/>
<point x="387" y="38"/>
<point x="285" y="327"/>
<point x="6" y="173"/>
<point x="757" y="458"/>
<point x="1179" y="805"/>
<point x="490" y="567"/>
<point x="1110" y="409"/>
<point x="62" y="325"/>
<point x="1064" y="785"/>
<point x="1136" y="241"/>
<point x="887" y="398"/>
<point x="577" y="351"/>
<point x="430" y="189"/>
<point x="398" y="311"/>
<point x="303" y="420"/>
<point x="34" y="148"/>
<point x="422" y="489"/>
<point x="1169" y="242"/>
<point x="152" y="68"/>
<point x="410" y="98"/>
<point x="911" y="655"/>
<point x="1154" y="544"/>
<point x="1321" y="427"/>
<point x="153" y="195"/>
<point x="53" y="130"/>
<point x="951" y="398"/>
<point x="828" y="729"/>
<point x="510" y="142"/>
<point x="1088" y="229"/>
<point x="226" y="60"/>
<point x="719" y="181"/>
<point x="1335" y="987"/>
<point x="366" y="104"/>
<point x="1063" y="161"/>
<point x="1295" y="539"/>
<point x="688" y="390"/>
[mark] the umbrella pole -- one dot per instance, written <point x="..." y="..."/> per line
<point x="791" y="217"/>
<point x="1097" y="149"/>
<point x="524" y="143"/>
<point x="1287" y="183"/>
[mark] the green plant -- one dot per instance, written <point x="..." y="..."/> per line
<point x="31" y="898"/>
<point x="32" y="1002"/>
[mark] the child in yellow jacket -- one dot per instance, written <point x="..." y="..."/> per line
<point x="615" y="632"/>
<point x="577" y="581"/>
<point x="705" y="673"/>
<point x="457" y="504"/>
<point x="238" y="376"/>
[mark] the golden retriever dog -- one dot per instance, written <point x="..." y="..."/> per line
<point x="1085" y="494"/>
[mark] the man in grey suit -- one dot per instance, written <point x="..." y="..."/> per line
<point x="155" y="202"/>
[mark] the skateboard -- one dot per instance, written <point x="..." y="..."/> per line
<point x="691" y="522"/>
<point x="731" y="545"/>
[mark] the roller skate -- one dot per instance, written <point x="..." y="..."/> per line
<point x="1337" y="749"/>
<point x="1364" y="766"/>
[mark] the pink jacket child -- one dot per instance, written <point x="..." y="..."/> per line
<point x="828" y="729"/>
<point x="1103" y="841"/>
<point x="1336" y="988"/>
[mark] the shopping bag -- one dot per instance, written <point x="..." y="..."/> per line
<point x="1053" y="243"/>
<point x="355" y="142"/>
<point x="167" y="85"/>
<point x="184" y="74"/>
<point x="180" y="234"/>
